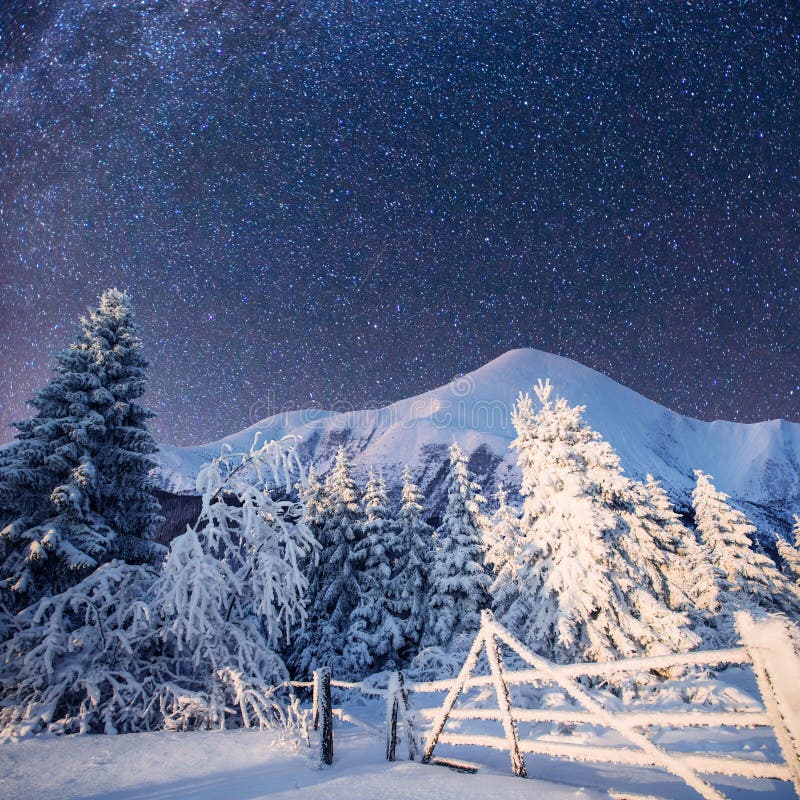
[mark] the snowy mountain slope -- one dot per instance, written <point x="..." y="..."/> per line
<point x="757" y="464"/>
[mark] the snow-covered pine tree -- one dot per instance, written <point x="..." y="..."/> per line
<point x="691" y="582"/>
<point x="459" y="584"/>
<point x="645" y="582"/>
<point x="746" y="576"/>
<point x="75" y="488"/>
<point x="375" y="636"/>
<point x="503" y="542"/>
<point x="333" y="589"/>
<point x="312" y="495"/>
<point x="230" y="592"/>
<point x="502" y="532"/>
<point x="790" y="554"/>
<point x="409" y="585"/>
<point x="578" y="596"/>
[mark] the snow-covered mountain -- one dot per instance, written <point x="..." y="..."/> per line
<point x="757" y="464"/>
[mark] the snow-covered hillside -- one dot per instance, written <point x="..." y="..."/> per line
<point x="757" y="464"/>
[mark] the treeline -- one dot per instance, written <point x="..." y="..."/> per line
<point x="384" y="584"/>
<point x="591" y="565"/>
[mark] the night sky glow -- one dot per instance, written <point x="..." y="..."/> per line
<point x="352" y="202"/>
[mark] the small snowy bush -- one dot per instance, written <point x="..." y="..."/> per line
<point x="80" y="661"/>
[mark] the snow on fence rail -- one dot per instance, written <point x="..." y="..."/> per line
<point x="766" y="648"/>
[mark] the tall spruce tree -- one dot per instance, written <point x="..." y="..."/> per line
<point x="459" y="584"/>
<point x="409" y="587"/>
<point x="746" y="576"/>
<point x="75" y="488"/>
<point x="578" y="595"/>
<point x="333" y="587"/>
<point x="375" y="636"/>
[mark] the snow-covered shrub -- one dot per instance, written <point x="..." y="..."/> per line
<point x="83" y="660"/>
<point x="230" y="593"/>
<point x="435" y="663"/>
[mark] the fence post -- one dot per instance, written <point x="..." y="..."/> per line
<point x="323" y="713"/>
<point x="315" y="702"/>
<point x="776" y="667"/>
<point x="408" y="719"/>
<point x="392" y="703"/>
<point x="397" y="711"/>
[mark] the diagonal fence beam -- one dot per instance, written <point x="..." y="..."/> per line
<point x="607" y="718"/>
<point x="504" y="702"/>
<point x="455" y="690"/>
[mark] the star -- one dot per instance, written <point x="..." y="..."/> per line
<point x="342" y="200"/>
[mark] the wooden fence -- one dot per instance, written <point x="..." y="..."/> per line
<point x="766" y="648"/>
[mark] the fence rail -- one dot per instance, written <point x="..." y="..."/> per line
<point x="766" y="648"/>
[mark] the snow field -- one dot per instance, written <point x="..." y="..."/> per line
<point x="241" y="765"/>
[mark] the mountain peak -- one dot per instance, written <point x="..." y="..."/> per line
<point x="755" y="463"/>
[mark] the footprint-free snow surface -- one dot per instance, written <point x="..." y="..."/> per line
<point x="757" y="464"/>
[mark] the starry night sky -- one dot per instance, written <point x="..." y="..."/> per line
<point x="352" y="202"/>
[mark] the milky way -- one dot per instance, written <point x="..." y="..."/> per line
<point x="350" y="202"/>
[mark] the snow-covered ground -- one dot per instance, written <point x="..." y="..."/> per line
<point x="241" y="765"/>
<point x="250" y="764"/>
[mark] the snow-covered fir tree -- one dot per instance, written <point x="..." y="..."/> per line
<point x="458" y="582"/>
<point x="502" y="546"/>
<point x="502" y="533"/>
<point x="646" y="546"/>
<point x="745" y="575"/>
<point x="312" y="495"/>
<point x="75" y="488"/>
<point x="231" y="591"/>
<point x="790" y="554"/>
<point x="578" y="596"/>
<point x="690" y="579"/>
<point x="648" y="554"/>
<point x="333" y="583"/>
<point x="375" y="635"/>
<point x="413" y="548"/>
<point x="664" y="556"/>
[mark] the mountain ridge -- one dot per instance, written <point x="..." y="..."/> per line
<point x="758" y="463"/>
